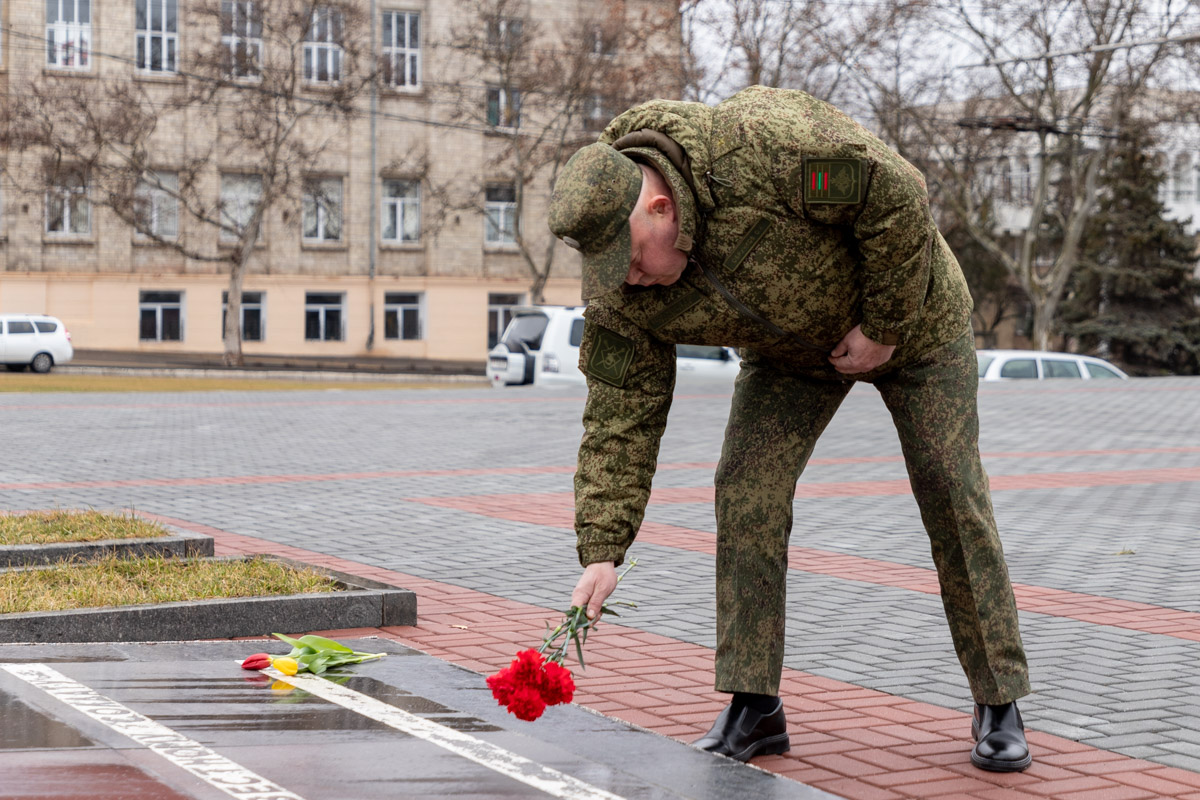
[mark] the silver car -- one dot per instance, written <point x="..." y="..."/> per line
<point x="1001" y="365"/>
<point x="35" y="341"/>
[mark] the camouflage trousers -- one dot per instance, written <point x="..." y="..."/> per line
<point x="774" y="423"/>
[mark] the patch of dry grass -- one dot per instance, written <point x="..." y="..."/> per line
<point x="28" y="382"/>
<point x="115" y="581"/>
<point x="44" y="527"/>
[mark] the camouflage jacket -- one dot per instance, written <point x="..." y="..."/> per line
<point x="808" y="222"/>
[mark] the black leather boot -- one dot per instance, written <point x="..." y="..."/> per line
<point x="999" y="734"/>
<point x="742" y="733"/>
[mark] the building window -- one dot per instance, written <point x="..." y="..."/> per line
<point x="156" y="206"/>
<point x="252" y="315"/>
<point x="323" y="316"/>
<point x="1023" y="183"/>
<point x="239" y="200"/>
<point x="1004" y="183"/>
<point x="503" y="107"/>
<point x="401" y="316"/>
<point x="161" y="317"/>
<point x="67" y="208"/>
<point x="500" y="312"/>
<point x="597" y="113"/>
<point x="401" y="211"/>
<point x="500" y="214"/>
<point x="323" y="47"/>
<point x="402" y="49"/>
<point x="69" y="33"/>
<point x="1183" y="179"/>
<point x="156" y="41"/>
<point x="504" y="32"/>
<point x="321" y="209"/>
<point x="241" y="38"/>
<point x="602" y="40"/>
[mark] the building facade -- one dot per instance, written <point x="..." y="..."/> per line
<point x="401" y="238"/>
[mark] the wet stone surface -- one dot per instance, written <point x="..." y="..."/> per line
<point x="309" y="747"/>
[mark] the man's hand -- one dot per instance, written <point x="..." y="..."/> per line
<point x="594" y="587"/>
<point x="856" y="353"/>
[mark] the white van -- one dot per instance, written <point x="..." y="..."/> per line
<point x="541" y="346"/>
<point x="35" y="341"/>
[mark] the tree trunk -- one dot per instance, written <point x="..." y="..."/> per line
<point x="233" y="316"/>
<point x="537" y="289"/>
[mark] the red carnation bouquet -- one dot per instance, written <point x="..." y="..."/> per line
<point x="535" y="680"/>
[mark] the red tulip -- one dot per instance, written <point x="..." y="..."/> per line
<point x="257" y="661"/>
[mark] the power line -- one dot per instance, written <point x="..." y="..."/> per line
<point x="1098" y="48"/>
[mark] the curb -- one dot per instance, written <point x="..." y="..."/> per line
<point x="178" y="544"/>
<point x="275" y="375"/>
<point x="363" y="604"/>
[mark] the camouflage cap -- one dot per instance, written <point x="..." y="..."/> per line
<point x="589" y="210"/>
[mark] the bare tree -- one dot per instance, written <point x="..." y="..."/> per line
<point x="812" y="45"/>
<point x="1013" y="148"/>
<point x="262" y="72"/>
<point x="542" y="89"/>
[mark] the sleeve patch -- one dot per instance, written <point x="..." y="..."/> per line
<point x="611" y="356"/>
<point x="833" y="180"/>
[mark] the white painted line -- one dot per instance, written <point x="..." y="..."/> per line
<point x="549" y="780"/>
<point x="230" y="777"/>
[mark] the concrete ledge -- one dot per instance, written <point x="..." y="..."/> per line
<point x="179" y="544"/>
<point x="363" y="604"/>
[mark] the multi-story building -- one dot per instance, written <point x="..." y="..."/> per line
<point x="419" y="221"/>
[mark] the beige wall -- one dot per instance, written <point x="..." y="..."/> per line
<point x="102" y="312"/>
<point x="92" y="281"/>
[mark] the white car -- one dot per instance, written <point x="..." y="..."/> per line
<point x="1001" y="365"/>
<point x="541" y="346"/>
<point x="35" y="341"/>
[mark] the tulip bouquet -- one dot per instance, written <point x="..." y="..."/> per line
<point x="535" y="680"/>
<point x="310" y="653"/>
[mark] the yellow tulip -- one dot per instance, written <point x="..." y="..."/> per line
<point x="287" y="666"/>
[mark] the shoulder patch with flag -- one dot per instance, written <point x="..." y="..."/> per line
<point x="833" y="180"/>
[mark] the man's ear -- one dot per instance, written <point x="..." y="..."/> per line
<point x="662" y="204"/>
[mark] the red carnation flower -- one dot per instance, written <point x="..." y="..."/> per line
<point x="557" y="686"/>
<point x="502" y="685"/>
<point x="526" y="703"/>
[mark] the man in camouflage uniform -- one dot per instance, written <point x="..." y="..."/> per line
<point x="776" y="224"/>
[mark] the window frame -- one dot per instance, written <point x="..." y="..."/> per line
<point x="146" y="302"/>
<point x="323" y="42"/>
<point x="404" y="207"/>
<point x="317" y="201"/>
<point x="393" y="305"/>
<point x="249" y="303"/>
<point x="167" y="34"/>
<point x="61" y="53"/>
<point x="507" y="211"/>
<point x="244" y="21"/>
<point x="507" y="107"/>
<point x="501" y="306"/>
<point x="156" y="197"/>
<point x="407" y="54"/>
<point x="248" y="208"/>
<point x="312" y="304"/>
<point x="505" y="32"/>
<point x="72" y="198"/>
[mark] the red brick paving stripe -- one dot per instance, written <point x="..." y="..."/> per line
<point x="856" y="488"/>
<point x="557" y="510"/>
<point x="841" y="743"/>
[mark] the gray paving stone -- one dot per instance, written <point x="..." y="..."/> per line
<point x="435" y="444"/>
